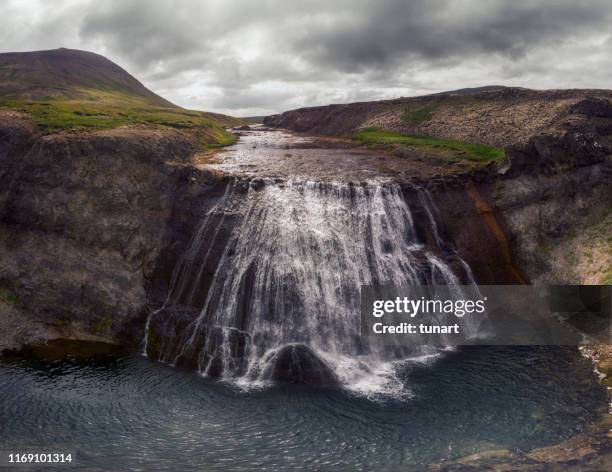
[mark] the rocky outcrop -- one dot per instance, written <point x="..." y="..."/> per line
<point x="498" y="117"/>
<point x="555" y="188"/>
<point x="84" y="218"/>
<point x="584" y="453"/>
<point x="544" y="214"/>
<point x="297" y="363"/>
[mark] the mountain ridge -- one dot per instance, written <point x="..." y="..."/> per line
<point x="66" y="73"/>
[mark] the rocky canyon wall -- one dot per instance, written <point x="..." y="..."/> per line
<point x="92" y="223"/>
<point x="84" y="218"/>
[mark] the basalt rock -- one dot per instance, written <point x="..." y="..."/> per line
<point x="544" y="212"/>
<point x="298" y="364"/>
<point x="84" y="219"/>
<point x="554" y="188"/>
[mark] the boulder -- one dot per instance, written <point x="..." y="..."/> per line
<point x="299" y="364"/>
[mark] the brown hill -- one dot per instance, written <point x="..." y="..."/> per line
<point x="67" y="89"/>
<point x="67" y="73"/>
<point x="496" y="116"/>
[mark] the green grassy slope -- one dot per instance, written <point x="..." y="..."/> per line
<point x="76" y="90"/>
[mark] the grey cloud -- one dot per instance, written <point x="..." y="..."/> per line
<point x="241" y="56"/>
<point x="397" y="31"/>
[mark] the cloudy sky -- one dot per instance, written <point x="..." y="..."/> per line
<point x="251" y="57"/>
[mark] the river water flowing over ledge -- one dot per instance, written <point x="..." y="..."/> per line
<point x="283" y="301"/>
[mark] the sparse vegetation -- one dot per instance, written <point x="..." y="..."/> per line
<point x="451" y="149"/>
<point x="105" y="110"/>
<point x="587" y="253"/>
<point x="416" y="116"/>
<point x="8" y="296"/>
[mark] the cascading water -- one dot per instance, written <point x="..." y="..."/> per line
<point x="287" y="286"/>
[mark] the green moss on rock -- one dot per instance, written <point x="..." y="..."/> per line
<point x="8" y="296"/>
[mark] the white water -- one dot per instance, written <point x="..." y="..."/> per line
<point x="291" y="273"/>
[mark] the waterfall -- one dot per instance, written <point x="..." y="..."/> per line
<point x="290" y="276"/>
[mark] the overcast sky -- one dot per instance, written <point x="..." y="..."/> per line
<point x="251" y="57"/>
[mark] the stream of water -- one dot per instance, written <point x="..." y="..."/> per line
<point x="289" y="279"/>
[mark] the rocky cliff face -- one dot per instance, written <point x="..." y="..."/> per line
<point x="555" y="196"/>
<point x="499" y="117"/>
<point x="83" y="221"/>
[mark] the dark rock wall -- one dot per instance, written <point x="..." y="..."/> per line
<point x="83" y="220"/>
<point x="465" y="227"/>
<point x="551" y="189"/>
<point x="510" y="222"/>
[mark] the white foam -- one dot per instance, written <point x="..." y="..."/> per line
<point x="292" y="271"/>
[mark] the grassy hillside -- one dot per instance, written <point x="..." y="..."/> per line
<point x="75" y="90"/>
<point x="105" y="110"/>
